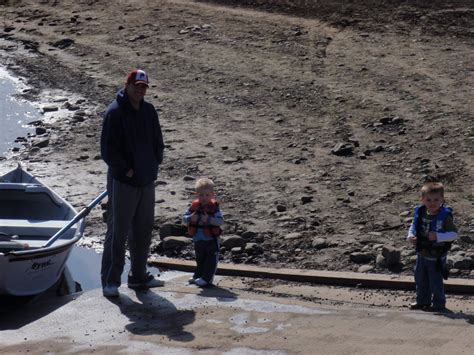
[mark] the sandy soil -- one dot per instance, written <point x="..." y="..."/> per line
<point x="260" y="99"/>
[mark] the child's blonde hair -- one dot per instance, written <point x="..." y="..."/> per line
<point x="204" y="184"/>
<point x="432" y="188"/>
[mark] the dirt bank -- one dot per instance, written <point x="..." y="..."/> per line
<point x="318" y="123"/>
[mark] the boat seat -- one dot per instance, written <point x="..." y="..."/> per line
<point x="32" y="229"/>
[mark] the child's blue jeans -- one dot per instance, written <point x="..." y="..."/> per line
<point x="429" y="282"/>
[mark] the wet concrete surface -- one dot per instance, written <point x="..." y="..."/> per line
<point x="184" y="319"/>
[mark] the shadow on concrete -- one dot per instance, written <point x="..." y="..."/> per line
<point x="219" y="293"/>
<point x="469" y="318"/>
<point x="18" y="311"/>
<point x="155" y="315"/>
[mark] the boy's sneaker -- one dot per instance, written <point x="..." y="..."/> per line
<point x="192" y="281"/>
<point x="418" y="306"/>
<point x="151" y="282"/>
<point x="110" y="291"/>
<point x="201" y="282"/>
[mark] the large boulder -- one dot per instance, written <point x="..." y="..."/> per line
<point x="361" y="258"/>
<point x="233" y="241"/>
<point x="176" y="243"/>
<point x="171" y="229"/>
<point x="391" y="255"/>
<point x="253" y="249"/>
<point x="462" y="262"/>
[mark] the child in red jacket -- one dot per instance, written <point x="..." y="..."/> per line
<point x="204" y="219"/>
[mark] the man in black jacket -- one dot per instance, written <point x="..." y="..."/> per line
<point x="132" y="146"/>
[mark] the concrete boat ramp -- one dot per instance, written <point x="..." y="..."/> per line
<point x="230" y="319"/>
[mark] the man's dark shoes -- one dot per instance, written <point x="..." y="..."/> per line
<point x="437" y="308"/>
<point x="150" y="282"/>
<point x="416" y="305"/>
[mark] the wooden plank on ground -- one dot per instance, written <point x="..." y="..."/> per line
<point x="389" y="281"/>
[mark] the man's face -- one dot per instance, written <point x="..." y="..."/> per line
<point x="433" y="202"/>
<point x="136" y="92"/>
<point x="204" y="195"/>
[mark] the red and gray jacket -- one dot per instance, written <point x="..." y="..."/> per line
<point x="211" y="227"/>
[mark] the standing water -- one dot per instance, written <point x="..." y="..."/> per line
<point x="15" y="113"/>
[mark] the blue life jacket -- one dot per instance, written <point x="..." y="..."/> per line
<point x="436" y="225"/>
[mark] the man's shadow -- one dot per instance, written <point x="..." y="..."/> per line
<point x="469" y="318"/>
<point x="219" y="293"/>
<point x="155" y="315"/>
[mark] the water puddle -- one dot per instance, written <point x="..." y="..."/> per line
<point x="15" y="113"/>
<point x="84" y="266"/>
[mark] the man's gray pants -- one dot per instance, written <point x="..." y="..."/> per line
<point x="130" y="218"/>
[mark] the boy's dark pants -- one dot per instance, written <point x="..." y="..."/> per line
<point x="207" y="257"/>
<point x="429" y="282"/>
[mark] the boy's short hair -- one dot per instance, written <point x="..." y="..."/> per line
<point x="432" y="188"/>
<point x="204" y="184"/>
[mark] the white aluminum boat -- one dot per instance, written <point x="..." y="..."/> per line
<point x="38" y="229"/>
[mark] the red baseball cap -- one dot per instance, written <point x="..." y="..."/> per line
<point x="137" y="76"/>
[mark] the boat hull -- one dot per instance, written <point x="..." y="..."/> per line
<point x="30" y="214"/>
<point x="25" y="275"/>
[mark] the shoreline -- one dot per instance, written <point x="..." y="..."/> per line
<point x="258" y="129"/>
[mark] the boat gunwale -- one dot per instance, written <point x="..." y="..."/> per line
<point x="18" y="255"/>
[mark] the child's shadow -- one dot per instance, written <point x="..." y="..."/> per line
<point x="469" y="318"/>
<point x="155" y="315"/>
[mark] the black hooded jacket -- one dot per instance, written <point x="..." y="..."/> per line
<point x="132" y="139"/>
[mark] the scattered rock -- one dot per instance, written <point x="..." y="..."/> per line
<point x="294" y="235"/>
<point x="281" y="208"/>
<point x="40" y="143"/>
<point x="40" y="130"/>
<point x="319" y="243"/>
<point x="63" y="43"/>
<point x="71" y="107"/>
<point x="460" y="261"/>
<point x="365" y="268"/>
<point x="343" y="149"/>
<point x="137" y="38"/>
<point x="236" y="250"/>
<point x="78" y="118"/>
<point x="249" y="235"/>
<point x="361" y="258"/>
<point x="380" y="262"/>
<point x="253" y="249"/>
<point x="466" y="239"/>
<point x="454" y="272"/>
<point x="45" y="109"/>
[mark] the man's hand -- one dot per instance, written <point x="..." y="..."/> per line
<point x="130" y="173"/>
<point x="432" y="236"/>
<point x="194" y="217"/>
<point x="412" y="239"/>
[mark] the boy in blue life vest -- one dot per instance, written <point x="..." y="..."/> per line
<point x="431" y="232"/>
<point x="204" y="219"/>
